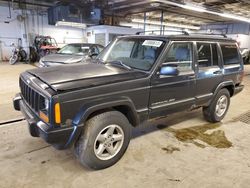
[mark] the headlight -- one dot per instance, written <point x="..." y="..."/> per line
<point x="46" y="105"/>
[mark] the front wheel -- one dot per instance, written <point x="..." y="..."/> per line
<point x="217" y="110"/>
<point x="104" y="140"/>
<point x="13" y="59"/>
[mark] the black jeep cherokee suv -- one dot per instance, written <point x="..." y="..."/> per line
<point x="94" y="105"/>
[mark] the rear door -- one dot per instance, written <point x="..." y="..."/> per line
<point x="233" y="67"/>
<point x="209" y="71"/>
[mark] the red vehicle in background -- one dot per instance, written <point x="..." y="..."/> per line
<point x="43" y="45"/>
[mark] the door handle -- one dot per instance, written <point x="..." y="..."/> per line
<point x="217" y="72"/>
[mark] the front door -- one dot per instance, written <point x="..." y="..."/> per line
<point x="174" y="93"/>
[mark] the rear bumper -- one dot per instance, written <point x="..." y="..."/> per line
<point x="60" y="138"/>
<point x="238" y="89"/>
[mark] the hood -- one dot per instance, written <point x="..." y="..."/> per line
<point x="76" y="76"/>
<point x="62" y="59"/>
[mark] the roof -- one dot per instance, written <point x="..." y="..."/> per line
<point x="197" y="37"/>
<point x="86" y="44"/>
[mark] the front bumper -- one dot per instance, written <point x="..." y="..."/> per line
<point x="60" y="137"/>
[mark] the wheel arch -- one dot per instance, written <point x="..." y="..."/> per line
<point x="124" y="105"/>
<point x="229" y="85"/>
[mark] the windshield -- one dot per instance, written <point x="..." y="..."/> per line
<point x="76" y="49"/>
<point x="136" y="53"/>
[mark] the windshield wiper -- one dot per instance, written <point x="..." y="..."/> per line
<point x="118" y="62"/>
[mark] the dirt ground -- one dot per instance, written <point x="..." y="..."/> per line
<point x="182" y="150"/>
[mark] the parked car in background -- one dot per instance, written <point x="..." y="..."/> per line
<point x="246" y="55"/>
<point x="71" y="53"/>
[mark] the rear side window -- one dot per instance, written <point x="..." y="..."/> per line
<point x="204" y="55"/>
<point x="207" y="54"/>
<point x="230" y="54"/>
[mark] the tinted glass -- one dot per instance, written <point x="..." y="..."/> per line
<point x="215" y="55"/>
<point x="180" y="55"/>
<point x="204" y="55"/>
<point x="230" y="54"/>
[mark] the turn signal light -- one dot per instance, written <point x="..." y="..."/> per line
<point x="57" y="113"/>
<point x="44" y="117"/>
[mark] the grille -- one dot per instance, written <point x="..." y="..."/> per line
<point x="32" y="98"/>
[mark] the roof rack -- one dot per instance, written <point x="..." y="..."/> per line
<point x="212" y="34"/>
<point x="183" y="32"/>
<point x="152" y="31"/>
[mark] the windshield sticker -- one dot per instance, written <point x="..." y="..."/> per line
<point x="155" y="43"/>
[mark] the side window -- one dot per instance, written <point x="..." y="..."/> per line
<point x="207" y="55"/>
<point x="230" y="54"/>
<point x="180" y="55"/>
<point x="204" y="54"/>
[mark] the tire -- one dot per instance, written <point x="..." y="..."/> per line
<point x="95" y="137"/>
<point x="218" y="108"/>
<point x="23" y="55"/>
<point x="13" y="59"/>
<point x="33" y="56"/>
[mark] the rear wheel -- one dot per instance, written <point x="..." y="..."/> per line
<point x="13" y="59"/>
<point x="217" y="110"/>
<point x="104" y="140"/>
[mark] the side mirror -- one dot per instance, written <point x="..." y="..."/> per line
<point x="169" y="71"/>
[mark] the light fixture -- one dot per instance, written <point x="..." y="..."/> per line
<point x="225" y="15"/>
<point x="169" y="24"/>
<point x="155" y="4"/>
<point x="193" y="7"/>
<point x="71" y="24"/>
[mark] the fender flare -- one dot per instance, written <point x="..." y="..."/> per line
<point x="222" y="85"/>
<point x="93" y="106"/>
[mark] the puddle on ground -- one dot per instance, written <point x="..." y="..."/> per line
<point x="198" y="136"/>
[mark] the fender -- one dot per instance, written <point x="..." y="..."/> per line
<point x="90" y="107"/>
<point x="93" y="106"/>
<point x="222" y="85"/>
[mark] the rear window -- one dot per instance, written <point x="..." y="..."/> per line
<point x="230" y="54"/>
